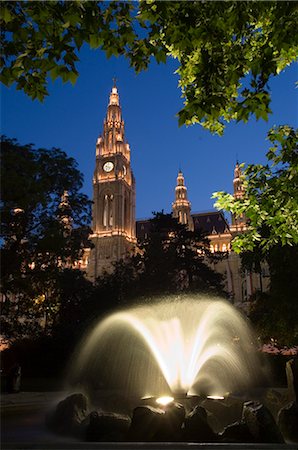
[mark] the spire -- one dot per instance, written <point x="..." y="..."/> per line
<point x="114" y="96"/>
<point x="238" y="182"/>
<point x="182" y="206"/>
<point x="65" y="211"/>
<point x="180" y="179"/>
<point x="112" y="140"/>
<point x="238" y="221"/>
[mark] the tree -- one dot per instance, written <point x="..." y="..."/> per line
<point x="170" y="260"/>
<point x="45" y="229"/>
<point x="270" y="201"/>
<point x="274" y="313"/>
<point x="216" y="44"/>
<point x="175" y="259"/>
<point x="270" y="204"/>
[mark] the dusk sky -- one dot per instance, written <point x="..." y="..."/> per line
<point x="71" y="118"/>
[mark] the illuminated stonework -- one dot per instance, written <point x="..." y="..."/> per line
<point x="114" y="226"/>
<point x="238" y="222"/>
<point x="182" y="206"/>
<point x="113" y="194"/>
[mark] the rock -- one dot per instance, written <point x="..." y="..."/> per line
<point x="237" y="432"/>
<point x="288" y="422"/>
<point x="172" y="421"/>
<point x="69" y="417"/>
<point x="107" y="427"/>
<point x="14" y="379"/>
<point x="197" y="428"/>
<point x="146" y="422"/>
<point x="261" y="423"/>
<point x="157" y="424"/>
<point x="292" y="378"/>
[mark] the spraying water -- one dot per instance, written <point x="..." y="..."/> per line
<point x="189" y="345"/>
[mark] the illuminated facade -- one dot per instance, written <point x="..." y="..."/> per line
<point x="113" y="220"/>
<point x="115" y="230"/>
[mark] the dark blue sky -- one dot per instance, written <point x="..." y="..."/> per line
<point x="71" y="118"/>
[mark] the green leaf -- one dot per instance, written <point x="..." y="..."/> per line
<point x="73" y="76"/>
<point x="55" y="73"/>
<point x="5" y="15"/>
<point x="95" y="41"/>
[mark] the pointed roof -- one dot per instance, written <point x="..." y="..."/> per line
<point x="180" y="178"/>
<point x="114" y="96"/>
<point x="237" y="170"/>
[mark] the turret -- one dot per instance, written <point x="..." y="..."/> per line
<point x="181" y="206"/>
<point x="64" y="212"/>
<point x="239" y="222"/>
<point x="238" y="182"/>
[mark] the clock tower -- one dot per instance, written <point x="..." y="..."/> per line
<point x="113" y="220"/>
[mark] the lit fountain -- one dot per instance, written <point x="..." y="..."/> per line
<point x="197" y="346"/>
<point x="175" y="370"/>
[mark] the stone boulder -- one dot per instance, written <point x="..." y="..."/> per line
<point x="196" y="427"/>
<point x="69" y="417"/>
<point x="288" y="422"/>
<point x="107" y="427"/>
<point x="261" y="423"/>
<point x="155" y="424"/>
<point x="172" y="421"/>
<point x="146" y="422"/>
<point x="237" y="432"/>
<point x="292" y="378"/>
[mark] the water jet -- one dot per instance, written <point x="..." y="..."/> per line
<point x="179" y="346"/>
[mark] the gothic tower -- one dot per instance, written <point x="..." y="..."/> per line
<point x="181" y="206"/>
<point x="113" y="194"/>
<point x="238" y="222"/>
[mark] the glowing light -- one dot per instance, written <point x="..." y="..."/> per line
<point x="190" y="341"/>
<point x="164" y="400"/>
<point x="18" y="210"/>
<point x="215" y="397"/>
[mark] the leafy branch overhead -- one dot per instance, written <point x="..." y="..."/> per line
<point x="226" y="51"/>
<point x="270" y="202"/>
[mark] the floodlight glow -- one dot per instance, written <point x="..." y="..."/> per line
<point x="215" y="397"/>
<point x="164" y="400"/>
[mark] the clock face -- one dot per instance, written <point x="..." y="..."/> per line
<point x="108" y="166"/>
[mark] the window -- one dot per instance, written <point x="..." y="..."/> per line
<point x="108" y="210"/>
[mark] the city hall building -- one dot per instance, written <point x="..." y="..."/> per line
<point x="116" y="230"/>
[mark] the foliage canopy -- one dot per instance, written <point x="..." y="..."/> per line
<point x="270" y="201"/>
<point x="216" y="44"/>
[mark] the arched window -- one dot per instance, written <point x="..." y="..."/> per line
<point x="108" y="218"/>
<point x="105" y="211"/>
<point x="111" y="217"/>
<point x="126" y="211"/>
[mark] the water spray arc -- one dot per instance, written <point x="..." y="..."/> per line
<point x="183" y="346"/>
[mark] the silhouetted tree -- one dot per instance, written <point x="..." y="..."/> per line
<point x="172" y="258"/>
<point x="275" y="312"/>
<point x="41" y="233"/>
